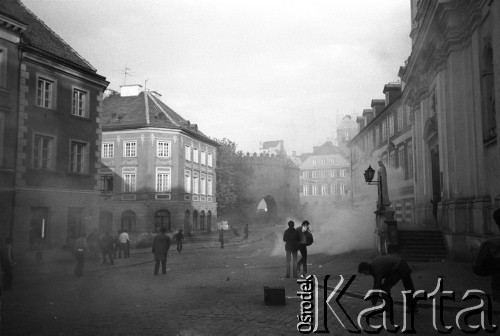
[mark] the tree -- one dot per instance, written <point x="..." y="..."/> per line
<point x="226" y="185"/>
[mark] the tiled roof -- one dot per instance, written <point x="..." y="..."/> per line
<point x="271" y="144"/>
<point x="40" y="37"/>
<point x="327" y="148"/>
<point x="144" y="110"/>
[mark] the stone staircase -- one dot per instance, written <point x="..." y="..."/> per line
<point x="422" y="245"/>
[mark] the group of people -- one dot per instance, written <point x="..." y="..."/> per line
<point x="297" y="239"/>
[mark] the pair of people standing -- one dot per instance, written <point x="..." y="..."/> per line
<point x="297" y="239"/>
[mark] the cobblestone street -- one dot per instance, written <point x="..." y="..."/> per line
<point x="207" y="291"/>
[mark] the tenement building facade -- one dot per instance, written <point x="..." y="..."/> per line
<point x="385" y="134"/>
<point x="50" y="106"/>
<point x="158" y="169"/>
<point x="325" y="178"/>
<point x="451" y="86"/>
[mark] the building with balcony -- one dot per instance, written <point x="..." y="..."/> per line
<point x="158" y="169"/>
<point x="50" y="105"/>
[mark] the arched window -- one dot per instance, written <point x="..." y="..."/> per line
<point x="162" y="220"/>
<point x="202" y="220"/>
<point x="128" y="221"/>
<point x="195" y="220"/>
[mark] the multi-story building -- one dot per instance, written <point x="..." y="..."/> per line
<point x="50" y="140"/>
<point x="10" y="37"/>
<point x="451" y="86"/>
<point x="385" y="133"/>
<point x="272" y="147"/>
<point x="158" y="170"/>
<point x="325" y="177"/>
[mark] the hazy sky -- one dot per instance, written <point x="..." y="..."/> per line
<point x="250" y="70"/>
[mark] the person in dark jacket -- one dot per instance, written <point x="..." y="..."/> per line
<point x="292" y="239"/>
<point x="487" y="261"/>
<point x="303" y="246"/>
<point x="161" y="245"/>
<point x="221" y="237"/>
<point x="386" y="271"/>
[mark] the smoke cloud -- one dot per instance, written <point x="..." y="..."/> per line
<point x="336" y="231"/>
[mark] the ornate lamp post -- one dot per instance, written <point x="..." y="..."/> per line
<point x="369" y="174"/>
<point x="387" y="237"/>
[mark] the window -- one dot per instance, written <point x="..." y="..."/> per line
<point x="209" y="186"/>
<point x="342" y="189"/>
<point x="305" y="190"/>
<point x="314" y="189"/>
<point x="162" y="179"/>
<point x="304" y="174"/>
<point x="401" y="157"/>
<point x="384" y="130"/>
<point x="400" y="119"/>
<point x="315" y="162"/>
<point x="108" y="150"/>
<point x="332" y="173"/>
<point x="203" y="185"/>
<point x="106" y="183"/>
<point x="391" y="125"/>
<point x="187" y="181"/>
<point x="3" y="67"/>
<point x="42" y="152"/>
<point x="409" y="153"/>
<point x="323" y="190"/>
<point x="44" y="93"/>
<point x="130" y="148"/>
<point x="195" y="155"/>
<point x="392" y="159"/>
<point x="196" y="184"/>
<point x="163" y="148"/>
<point x="209" y="159"/>
<point x="377" y="135"/>
<point x="78" y="157"/>
<point x="79" y="103"/>
<point x="342" y="172"/>
<point x="203" y="158"/>
<point x="188" y="153"/>
<point x="129" y="179"/>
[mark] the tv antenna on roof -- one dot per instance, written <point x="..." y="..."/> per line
<point x="126" y="72"/>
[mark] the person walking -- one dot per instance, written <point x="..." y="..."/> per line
<point x="79" y="251"/>
<point x="221" y="237"/>
<point x="7" y="263"/>
<point x="124" y="240"/>
<point x="161" y="245"/>
<point x="487" y="261"/>
<point x="292" y="239"/>
<point x="245" y="231"/>
<point x="179" y="237"/>
<point x="107" y="248"/>
<point x="386" y="271"/>
<point x="305" y="240"/>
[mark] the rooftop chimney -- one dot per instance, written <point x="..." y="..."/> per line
<point x="130" y="90"/>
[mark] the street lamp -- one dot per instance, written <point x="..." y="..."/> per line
<point x="369" y="174"/>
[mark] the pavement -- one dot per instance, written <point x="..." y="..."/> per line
<point x="228" y="300"/>
<point x="457" y="276"/>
